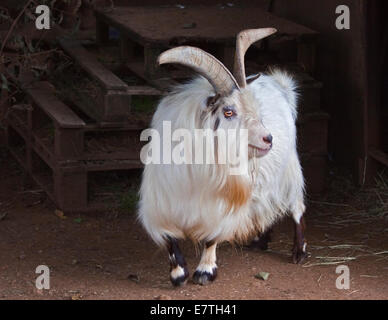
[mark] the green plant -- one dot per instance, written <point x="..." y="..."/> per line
<point x="128" y="201"/>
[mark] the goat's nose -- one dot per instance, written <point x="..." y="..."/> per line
<point x="268" y="139"/>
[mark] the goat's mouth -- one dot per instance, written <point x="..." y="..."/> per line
<point x="259" y="152"/>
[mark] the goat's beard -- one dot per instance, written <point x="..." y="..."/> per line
<point x="254" y="153"/>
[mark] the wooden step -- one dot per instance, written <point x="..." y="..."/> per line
<point x="90" y="64"/>
<point x="61" y="114"/>
<point x="110" y="103"/>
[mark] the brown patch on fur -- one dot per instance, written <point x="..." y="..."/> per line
<point x="236" y="192"/>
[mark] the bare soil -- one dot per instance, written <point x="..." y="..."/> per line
<point x="105" y="256"/>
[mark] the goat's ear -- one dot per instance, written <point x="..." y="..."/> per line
<point x="212" y="100"/>
<point x="253" y="78"/>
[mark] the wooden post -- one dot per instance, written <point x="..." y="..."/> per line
<point x="151" y="69"/>
<point x="306" y="55"/>
<point x="70" y="188"/>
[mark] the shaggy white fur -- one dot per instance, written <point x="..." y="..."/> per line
<point x="279" y="184"/>
<point x="189" y="200"/>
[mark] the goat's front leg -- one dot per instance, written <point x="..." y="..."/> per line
<point x="206" y="271"/>
<point x="299" y="253"/>
<point x="178" y="267"/>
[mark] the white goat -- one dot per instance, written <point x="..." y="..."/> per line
<point x="204" y="202"/>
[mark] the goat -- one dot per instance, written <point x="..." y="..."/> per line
<point x="204" y="202"/>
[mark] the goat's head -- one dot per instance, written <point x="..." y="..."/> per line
<point x="232" y="106"/>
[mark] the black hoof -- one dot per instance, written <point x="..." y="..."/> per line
<point x="204" y="277"/>
<point x="179" y="276"/>
<point x="298" y="256"/>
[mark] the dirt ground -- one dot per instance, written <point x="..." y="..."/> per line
<point x="103" y="256"/>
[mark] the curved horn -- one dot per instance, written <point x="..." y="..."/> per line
<point x="203" y="63"/>
<point x="244" y="40"/>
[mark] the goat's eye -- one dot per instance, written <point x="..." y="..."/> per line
<point x="229" y="113"/>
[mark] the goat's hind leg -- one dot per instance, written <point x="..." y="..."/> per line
<point x="178" y="267"/>
<point x="299" y="253"/>
<point x="261" y="240"/>
<point x="206" y="271"/>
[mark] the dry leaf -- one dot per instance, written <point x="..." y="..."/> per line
<point x="60" y="214"/>
<point x="162" y="297"/>
<point x="262" y="276"/>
